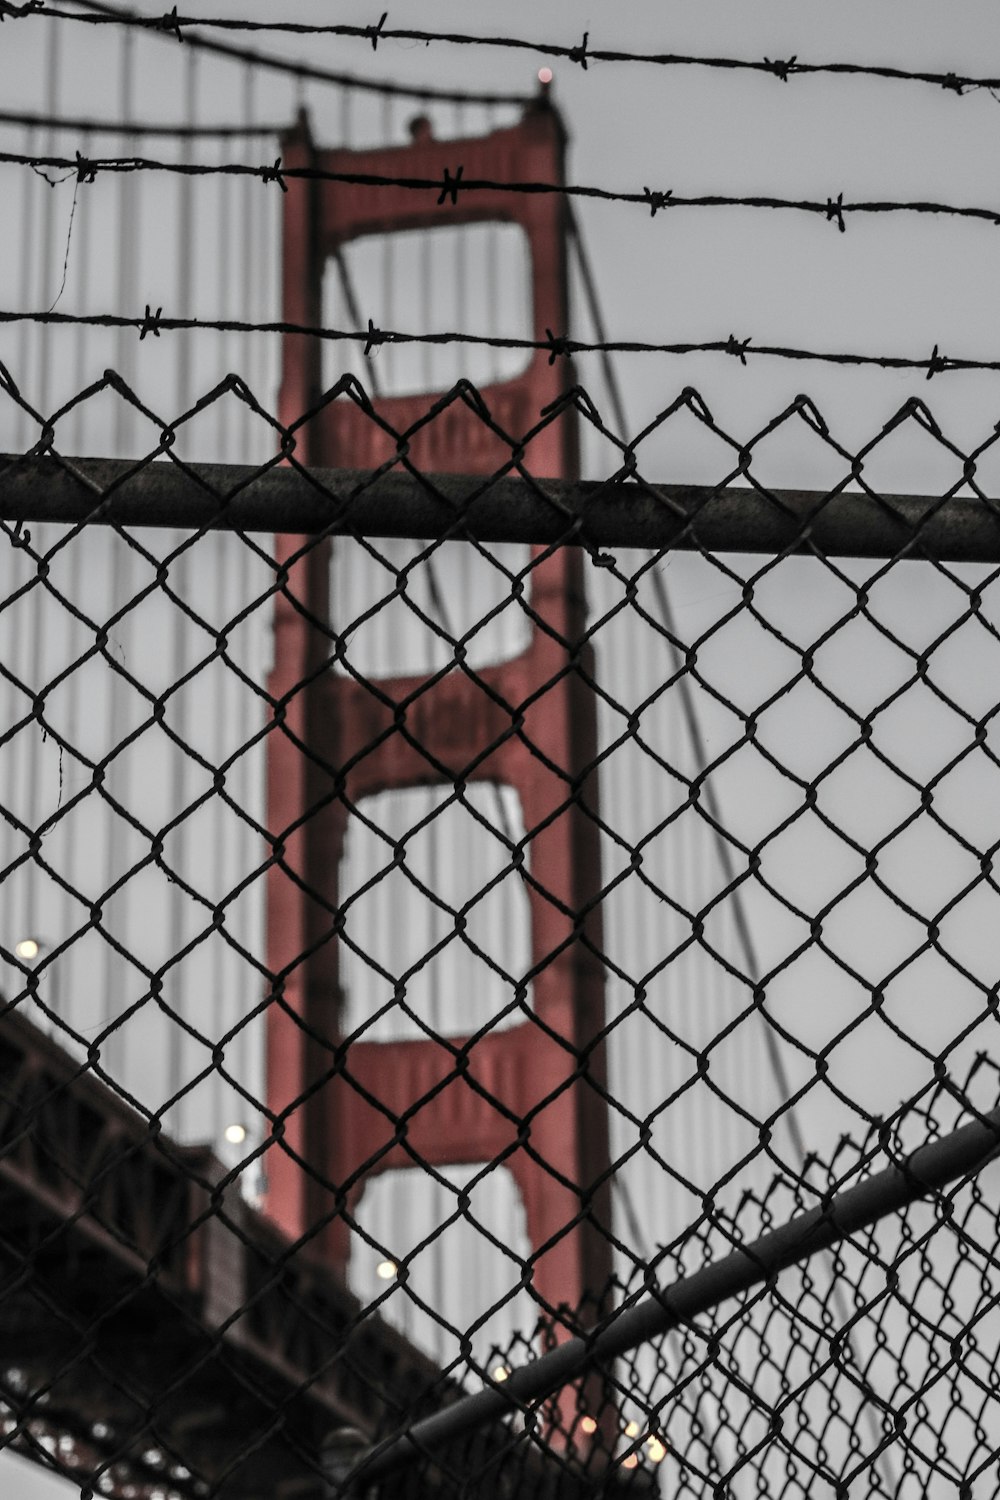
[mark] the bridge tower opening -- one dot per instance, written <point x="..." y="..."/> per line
<point x="532" y="1095"/>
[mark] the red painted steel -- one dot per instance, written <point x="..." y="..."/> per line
<point x="530" y="1096"/>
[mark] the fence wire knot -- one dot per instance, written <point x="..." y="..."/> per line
<point x="781" y="69"/>
<point x="170" y="21"/>
<point x="835" y="211"/>
<point x="86" y="171"/>
<point x="273" y="174"/>
<point x="952" y="82"/>
<point x="451" y="186"/>
<point x="737" y="347"/>
<point x="657" y="200"/>
<point x="150" y="323"/>
<point x="8" y="9"/>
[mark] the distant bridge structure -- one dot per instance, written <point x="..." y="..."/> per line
<point x="156" y="951"/>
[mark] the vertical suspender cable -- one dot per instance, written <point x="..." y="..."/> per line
<point x="492" y="270"/>
<point x="73" y="686"/>
<point x="228" y="450"/>
<point x="461" y="265"/>
<point x="180" y="644"/>
<point x="25" y="750"/>
<point x="116" y="562"/>
<point x="388" y="317"/>
<point x="231" y="557"/>
<point x="222" y="996"/>
<point x="249" y="1062"/>
<point x="48" y="262"/>
<point x="426" y="308"/>
<point x="247" y="260"/>
<point x="127" y="191"/>
<point x="268" y="296"/>
<point x="81" y="267"/>
<point x="36" y="919"/>
<point x="27" y="332"/>
<point x="346" y="118"/>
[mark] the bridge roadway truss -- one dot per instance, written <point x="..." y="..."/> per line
<point x="158" y="1332"/>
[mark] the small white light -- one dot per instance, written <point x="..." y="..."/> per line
<point x="631" y="1461"/>
<point x="545" y="76"/>
<point x="632" y="1430"/>
<point x="500" y="1373"/>
<point x="588" y="1424"/>
<point x="657" y="1449"/>
<point x="28" y="949"/>
<point x="235" y="1134"/>
<point x="386" y="1270"/>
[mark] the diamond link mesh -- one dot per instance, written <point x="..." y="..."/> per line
<point x="792" y="780"/>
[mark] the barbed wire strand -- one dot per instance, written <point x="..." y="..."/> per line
<point x="448" y="187"/>
<point x="153" y="323"/>
<point x="580" y="53"/>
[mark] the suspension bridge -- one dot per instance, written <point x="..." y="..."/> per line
<point x="206" y="896"/>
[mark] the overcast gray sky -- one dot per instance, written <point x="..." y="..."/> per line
<point x="889" y="285"/>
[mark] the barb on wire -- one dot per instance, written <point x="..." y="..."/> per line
<point x="450" y="187"/>
<point x="374" y="339"/>
<point x="150" y="323"/>
<point x="557" y="345"/>
<point x="657" y="201"/>
<point x="170" y="23"/>
<point x="274" y="174"/>
<point x="579" y="53"/>
<point x="375" y="33"/>
<point x="781" y="70"/>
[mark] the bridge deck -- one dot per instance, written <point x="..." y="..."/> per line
<point x="155" y="1325"/>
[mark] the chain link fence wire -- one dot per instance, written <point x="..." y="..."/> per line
<point x="793" y="781"/>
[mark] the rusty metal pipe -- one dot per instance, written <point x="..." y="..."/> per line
<point x="618" y="512"/>
<point x="925" y="1171"/>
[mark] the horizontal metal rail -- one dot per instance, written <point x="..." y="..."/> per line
<point x="618" y="512"/>
<point x="926" y="1170"/>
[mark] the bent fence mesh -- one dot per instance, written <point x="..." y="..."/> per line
<point x="782" y="708"/>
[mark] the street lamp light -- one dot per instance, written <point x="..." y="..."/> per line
<point x="29" y="950"/>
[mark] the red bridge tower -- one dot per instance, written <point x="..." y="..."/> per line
<point x="532" y="1095"/>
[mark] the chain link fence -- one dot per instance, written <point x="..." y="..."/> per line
<point x="440" y="913"/>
